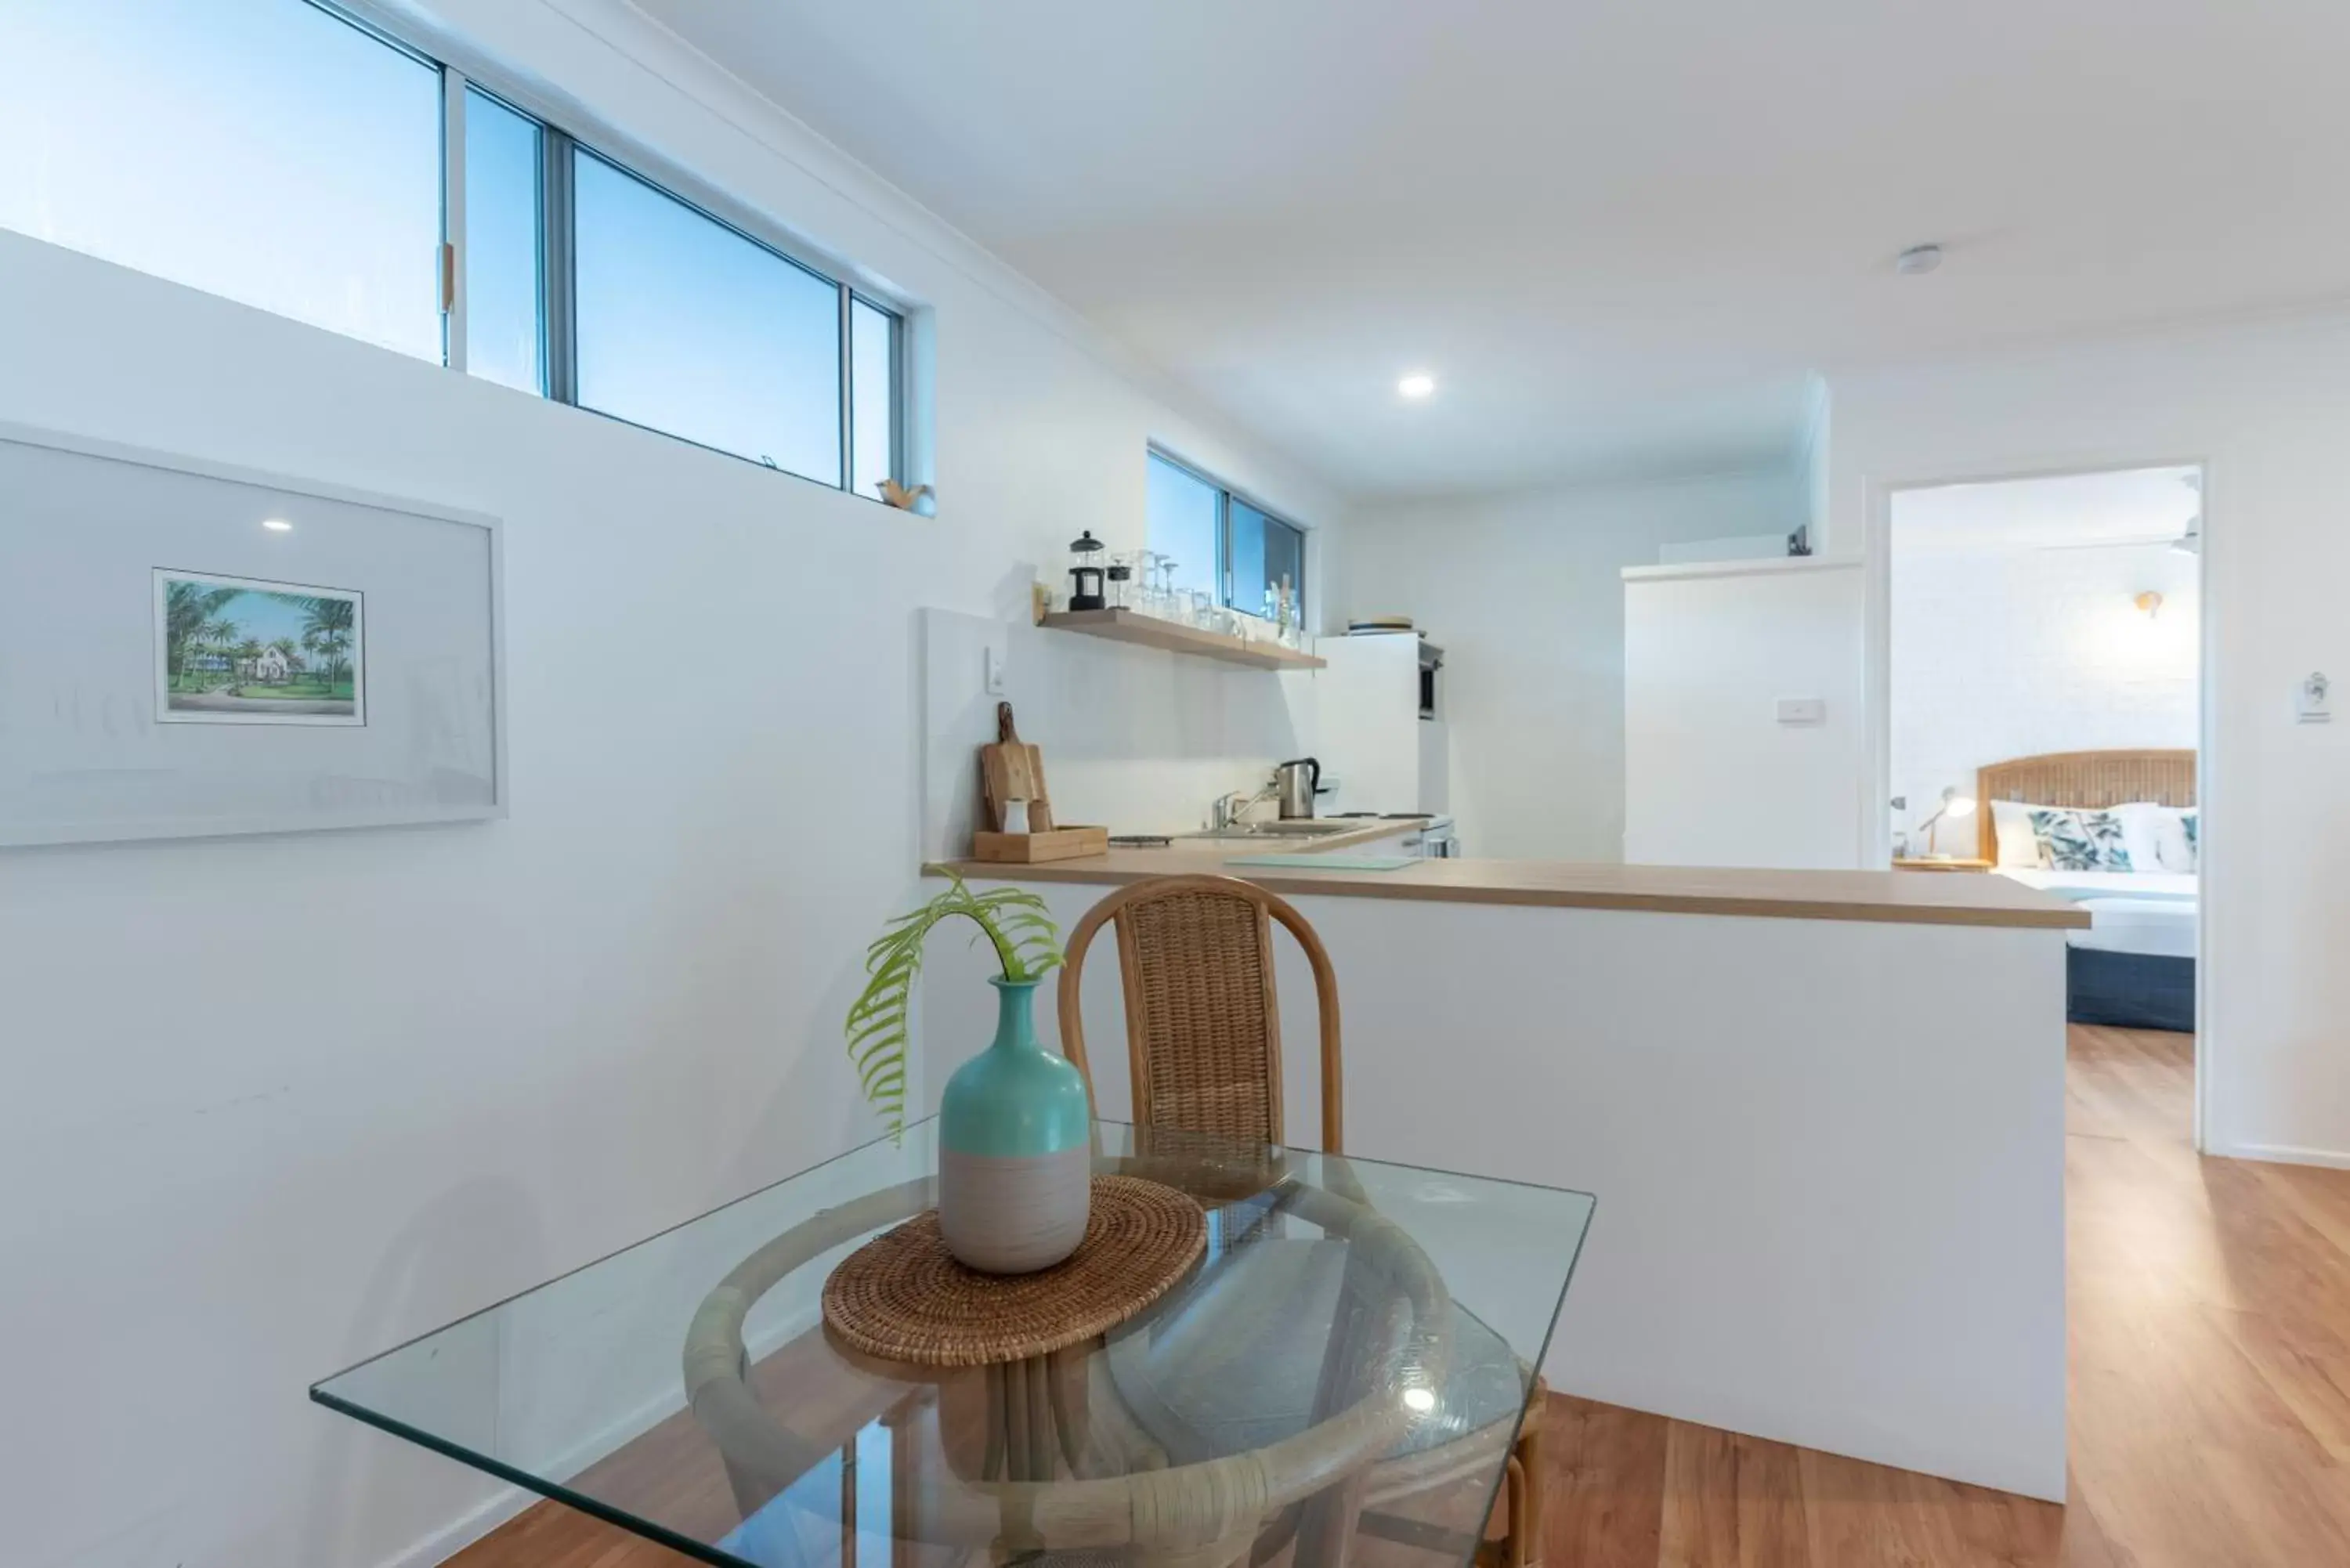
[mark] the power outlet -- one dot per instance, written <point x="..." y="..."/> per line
<point x="992" y="679"/>
<point x="2313" y="699"/>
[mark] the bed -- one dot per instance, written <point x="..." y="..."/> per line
<point x="2135" y="967"/>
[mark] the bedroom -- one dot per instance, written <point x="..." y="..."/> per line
<point x="2045" y="710"/>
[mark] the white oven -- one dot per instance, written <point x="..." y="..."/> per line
<point x="1437" y="841"/>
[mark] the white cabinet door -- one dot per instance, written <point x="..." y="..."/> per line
<point x="1368" y="717"/>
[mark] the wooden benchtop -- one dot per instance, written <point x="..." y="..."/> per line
<point x="1882" y="895"/>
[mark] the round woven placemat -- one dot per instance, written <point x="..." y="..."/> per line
<point x="902" y="1296"/>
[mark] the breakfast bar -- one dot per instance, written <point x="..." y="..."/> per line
<point x="1821" y="1113"/>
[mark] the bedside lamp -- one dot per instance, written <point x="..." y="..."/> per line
<point x="1954" y="805"/>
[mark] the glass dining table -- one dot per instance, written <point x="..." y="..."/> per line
<point x="1341" y="1376"/>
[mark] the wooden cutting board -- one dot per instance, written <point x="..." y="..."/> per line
<point x="1011" y="769"/>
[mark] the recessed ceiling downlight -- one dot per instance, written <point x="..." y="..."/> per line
<point x="277" y="525"/>
<point x="1918" y="260"/>
<point x="1416" y="385"/>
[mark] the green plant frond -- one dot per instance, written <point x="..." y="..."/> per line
<point x="891" y="968"/>
<point x="881" y="1074"/>
<point x="1036" y="945"/>
<point x="1037" y="956"/>
<point x="878" y="1005"/>
<point x="877" y="1035"/>
<point x="1015" y="922"/>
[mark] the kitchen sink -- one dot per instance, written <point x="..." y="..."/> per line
<point x="1302" y="827"/>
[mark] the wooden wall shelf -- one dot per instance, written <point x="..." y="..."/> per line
<point x="1127" y="625"/>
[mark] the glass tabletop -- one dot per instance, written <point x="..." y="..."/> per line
<point x="1350" y="1359"/>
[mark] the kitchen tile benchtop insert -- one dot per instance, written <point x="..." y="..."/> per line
<point x="1886" y="896"/>
<point x="1290" y="839"/>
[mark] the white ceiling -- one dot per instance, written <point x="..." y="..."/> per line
<point x="2141" y="505"/>
<point x="1618" y="233"/>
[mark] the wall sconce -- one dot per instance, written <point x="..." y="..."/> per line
<point x="2150" y="602"/>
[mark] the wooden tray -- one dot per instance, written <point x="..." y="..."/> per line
<point x="1028" y="848"/>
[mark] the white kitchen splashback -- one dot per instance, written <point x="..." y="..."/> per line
<point x="1135" y="739"/>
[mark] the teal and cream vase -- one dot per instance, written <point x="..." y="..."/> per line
<point x="1014" y="1148"/>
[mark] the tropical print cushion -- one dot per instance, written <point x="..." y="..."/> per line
<point x="2194" y="840"/>
<point x="2080" y="840"/>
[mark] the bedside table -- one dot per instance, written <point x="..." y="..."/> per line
<point x="1941" y="865"/>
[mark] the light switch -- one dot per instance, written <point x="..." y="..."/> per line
<point x="994" y="671"/>
<point x="2313" y="699"/>
<point x="1802" y="711"/>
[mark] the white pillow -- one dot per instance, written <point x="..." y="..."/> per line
<point x="2182" y="845"/>
<point x="2011" y="822"/>
<point x="2158" y="836"/>
<point x="2142" y="834"/>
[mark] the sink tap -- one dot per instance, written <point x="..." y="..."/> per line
<point x="1223" y="813"/>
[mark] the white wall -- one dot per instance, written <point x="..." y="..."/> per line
<point x="2265" y="407"/>
<point x="478" y="1057"/>
<point x="1713" y="775"/>
<point x="1523" y="594"/>
<point x="2017" y="651"/>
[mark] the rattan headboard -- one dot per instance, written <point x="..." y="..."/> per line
<point x="2085" y="779"/>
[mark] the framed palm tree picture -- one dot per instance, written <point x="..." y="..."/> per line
<point x="190" y="649"/>
<point x="242" y="650"/>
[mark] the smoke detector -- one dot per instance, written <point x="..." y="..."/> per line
<point x="1918" y="260"/>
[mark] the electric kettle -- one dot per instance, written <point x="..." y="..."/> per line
<point x="1298" y="781"/>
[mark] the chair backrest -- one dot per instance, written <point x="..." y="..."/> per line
<point x="1203" y="1024"/>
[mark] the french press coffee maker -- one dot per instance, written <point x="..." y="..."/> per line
<point x="1086" y="573"/>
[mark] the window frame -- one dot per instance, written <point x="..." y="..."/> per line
<point x="461" y="68"/>
<point x="852" y="297"/>
<point x="844" y="379"/>
<point x="559" y="151"/>
<point x="1225" y="495"/>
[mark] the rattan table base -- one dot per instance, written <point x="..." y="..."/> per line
<point x="903" y="1297"/>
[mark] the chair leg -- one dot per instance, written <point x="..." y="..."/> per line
<point x="1527" y="1514"/>
<point x="1514" y="1497"/>
<point x="1524" y="1489"/>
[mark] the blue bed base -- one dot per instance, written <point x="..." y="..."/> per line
<point x="2129" y="991"/>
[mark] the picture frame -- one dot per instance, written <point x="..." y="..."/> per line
<point x="345" y="667"/>
<point x="264" y="686"/>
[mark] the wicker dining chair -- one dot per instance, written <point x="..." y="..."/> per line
<point x="1203" y="1052"/>
<point x="1202" y="1024"/>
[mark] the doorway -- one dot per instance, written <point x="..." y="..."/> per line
<point x="2043" y="684"/>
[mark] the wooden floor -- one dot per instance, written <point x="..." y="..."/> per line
<point x="2211" y="1417"/>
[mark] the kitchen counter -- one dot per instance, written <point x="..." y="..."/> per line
<point x="1873" y="895"/>
<point x="1823" y="1111"/>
